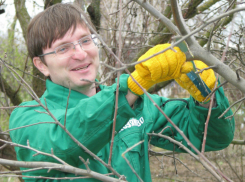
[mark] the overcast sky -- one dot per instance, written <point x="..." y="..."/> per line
<point x="7" y="17"/>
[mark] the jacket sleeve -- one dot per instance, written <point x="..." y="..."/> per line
<point x="191" y="118"/>
<point x="90" y="122"/>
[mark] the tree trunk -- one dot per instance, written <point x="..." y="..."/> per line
<point x="94" y="13"/>
<point x="8" y="152"/>
<point x="49" y="3"/>
<point x="22" y="15"/>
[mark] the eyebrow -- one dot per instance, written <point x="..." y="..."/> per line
<point x="66" y="42"/>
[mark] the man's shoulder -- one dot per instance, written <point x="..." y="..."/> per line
<point x="24" y="106"/>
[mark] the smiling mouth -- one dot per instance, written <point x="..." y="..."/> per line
<point x="82" y="68"/>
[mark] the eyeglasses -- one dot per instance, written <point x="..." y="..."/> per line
<point x="67" y="50"/>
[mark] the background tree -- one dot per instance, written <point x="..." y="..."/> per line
<point x="145" y="24"/>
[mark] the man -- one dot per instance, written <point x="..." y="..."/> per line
<point x="64" y="49"/>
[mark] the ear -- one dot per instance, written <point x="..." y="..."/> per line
<point x="43" y="68"/>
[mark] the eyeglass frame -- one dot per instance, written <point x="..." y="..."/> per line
<point x="78" y="43"/>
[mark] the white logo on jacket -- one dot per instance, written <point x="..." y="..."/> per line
<point x="133" y="122"/>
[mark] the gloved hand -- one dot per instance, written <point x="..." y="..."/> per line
<point x="207" y="76"/>
<point x="162" y="67"/>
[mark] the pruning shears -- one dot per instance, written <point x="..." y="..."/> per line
<point x="195" y="78"/>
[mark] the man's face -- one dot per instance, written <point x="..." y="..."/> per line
<point x="68" y="72"/>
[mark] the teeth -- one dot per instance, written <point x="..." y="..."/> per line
<point x="81" y="68"/>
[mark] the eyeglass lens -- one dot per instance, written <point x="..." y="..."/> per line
<point x="68" y="50"/>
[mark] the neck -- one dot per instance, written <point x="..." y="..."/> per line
<point x="88" y="90"/>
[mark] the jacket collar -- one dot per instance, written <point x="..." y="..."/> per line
<point x="59" y="94"/>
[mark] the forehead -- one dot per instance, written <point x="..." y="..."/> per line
<point x="73" y="34"/>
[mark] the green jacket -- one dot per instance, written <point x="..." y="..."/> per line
<point x="89" y="119"/>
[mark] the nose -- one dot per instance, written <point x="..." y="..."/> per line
<point x="79" y="53"/>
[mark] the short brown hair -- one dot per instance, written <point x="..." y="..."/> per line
<point x="52" y="24"/>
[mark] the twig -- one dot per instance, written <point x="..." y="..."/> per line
<point x="227" y="44"/>
<point x="60" y="167"/>
<point x="174" y="144"/>
<point x="33" y="94"/>
<point x="165" y="153"/>
<point x="238" y="77"/>
<point x="214" y="90"/>
<point x="172" y="28"/>
<point x="41" y="112"/>
<point x="200" y="53"/>
<point x="35" y="150"/>
<point x="240" y="100"/>
<point x="209" y="115"/>
<point x="201" y="70"/>
<point x="215" y="24"/>
<point x="200" y="159"/>
<point x="239" y="50"/>
<point x="27" y="170"/>
<point x="117" y="89"/>
<point x="13" y="107"/>
<point x="27" y="88"/>
<point x="68" y="133"/>
<point x="232" y="168"/>
<point x="25" y="66"/>
<point x="204" y="160"/>
<point x="43" y="177"/>
<point x="237" y="109"/>
<point x="120" y="9"/>
<point x="85" y="163"/>
<point x="133" y="32"/>
<point x="123" y="155"/>
<point x="27" y="126"/>
<point x="206" y="124"/>
<point x="3" y="146"/>
<point x="23" y="71"/>
<point x="175" y="158"/>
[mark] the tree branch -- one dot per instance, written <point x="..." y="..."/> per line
<point x="59" y="167"/>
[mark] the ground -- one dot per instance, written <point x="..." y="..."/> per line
<point x="189" y="170"/>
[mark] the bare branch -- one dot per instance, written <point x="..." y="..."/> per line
<point x="172" y="28"/>
<point x="201" y="159"/>
<point x="35" y="150"/>
<point x="60" y="167"/>
<point x="175" y="158"/>
<point x="240" y="100"/>
<point x="121" y="8"/>
<point x="238" y="142"/>
<point x="180" y="21"/>
<point x="85" y="163"/>
<point x="237" y="109"/>
<point x="123" y="155"/>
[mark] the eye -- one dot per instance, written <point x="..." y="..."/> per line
<point x="86" y="40"/>
<point x="64" y="48"/>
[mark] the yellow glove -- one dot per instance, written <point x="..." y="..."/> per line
<point x="207" y="76"/>
<point x="162" y="67"/>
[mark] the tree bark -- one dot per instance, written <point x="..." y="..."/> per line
<point x="94" y="13"/>
<point x="24" y="19"/>
<point x="8" y="152"/>
<point x="7" y="89"/>
<point x="49" y="3"/>
<point x="22" y="15"/>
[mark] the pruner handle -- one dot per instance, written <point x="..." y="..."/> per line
<point x="199" y="83"/>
